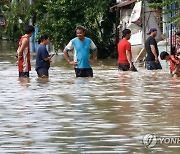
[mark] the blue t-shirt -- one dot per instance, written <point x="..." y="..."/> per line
<point x="42" y="53"/>
<point x="81" y="51"/>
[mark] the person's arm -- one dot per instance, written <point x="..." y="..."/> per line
<point x="91" y="61"/>
<point x="177" y="64"/>
<point x="66" y="54"/>
<point x="175" y="73"/>
<point x="129" y="58"/>
<point x="48" y="58"/>
<point x="94" y="55"/>
<point x="94" y="49"/>
<point x="175" y="59"/>
<point x="44" y="54"/>
<point x="129" y="55"/>
<point x="154" y="52"/>
<point x="25" y="43"/>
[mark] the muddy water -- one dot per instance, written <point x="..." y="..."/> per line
<point x="109" y="113"/>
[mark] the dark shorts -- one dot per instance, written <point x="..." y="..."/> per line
<point x="152" y="65"/>
<point x="42" y="72"/>
<point x="126" y="67"/>
<point x="84" y="72"/>
<point x="24" y="74"/>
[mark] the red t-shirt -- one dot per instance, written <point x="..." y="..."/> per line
<point x="123" y="45"/>
<point x="173" y="62"/>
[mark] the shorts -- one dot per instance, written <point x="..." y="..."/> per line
<point x="126" y="67"/>
<point x="84" y="72"/>
<point x="152" y="65"/>
<point x="24" y="74"/>
<point x="42" y="72"/>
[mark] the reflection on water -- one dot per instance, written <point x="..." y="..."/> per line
<point x="109" y="113"/>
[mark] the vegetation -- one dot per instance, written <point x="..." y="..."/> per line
<point x="17" y="14"/>
<point x="167" y="6"/>
<point x="59" y="18"/>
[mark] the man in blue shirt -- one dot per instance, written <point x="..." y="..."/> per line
<point x="81" y="46"/>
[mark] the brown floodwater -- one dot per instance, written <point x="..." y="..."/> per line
<point x="109" y="113"/>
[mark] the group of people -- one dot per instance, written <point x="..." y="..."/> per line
<point x="152" y="60"/>
<point x="82" y="62"/>
<point x="43" y="58"/>
<point x="125" y="54"/>
<point x="81" y="46"/>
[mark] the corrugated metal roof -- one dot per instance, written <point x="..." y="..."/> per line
<point x="124" y="3"/>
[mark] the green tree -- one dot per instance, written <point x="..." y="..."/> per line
<point x="168" y="9"/>
<point x="17" y="14"/>
<point x="2" y="5"/>
<point x="59" y="18"/>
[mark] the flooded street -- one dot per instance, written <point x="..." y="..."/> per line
<point x="109" y="113"/>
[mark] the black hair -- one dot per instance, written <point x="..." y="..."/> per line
<point x="178" y="33"/>
<point x="43" y="37"/>
<point x="80" y="28"/>
<point x="163" y="55"/>
<point x="125" y="32"/>
<point x="29" y="29"/>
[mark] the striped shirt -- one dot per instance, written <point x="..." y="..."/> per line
<point x="24" y="64"/>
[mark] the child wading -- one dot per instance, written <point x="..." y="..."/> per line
<point x="174" y="63"/>
<point x="43" y="58"/>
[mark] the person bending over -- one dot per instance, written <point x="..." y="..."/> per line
<point x="174" y="63"/>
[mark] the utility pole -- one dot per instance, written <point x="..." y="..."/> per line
<point x="144" y="20"/>
<point x="32" y="38"/>
<point x="31" y="21"/>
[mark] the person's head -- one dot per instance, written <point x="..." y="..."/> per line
<point x="178" y="36"/>
<point x="152" y="32"/>
<point x="29" y="30"/>
<point x="44" y="39"/>
<point x="80" y="32"/>
<point x="126" y="33"/>
<point x="165" y="56"/>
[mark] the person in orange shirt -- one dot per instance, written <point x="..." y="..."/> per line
<point x="174" y="63"/>
<point x="178" y="43"/>
<point x="23" y="53"/>
<point x="124" y="53"/>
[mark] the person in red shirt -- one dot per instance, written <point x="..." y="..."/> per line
<point x="174" y="63"/>
<point x="124" y="53"/>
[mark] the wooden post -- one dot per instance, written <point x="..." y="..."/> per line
<point x="144" y="21"/>
<point x="117" y="24"/>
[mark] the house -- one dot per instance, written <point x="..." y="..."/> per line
<point x="139" y="17"/>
